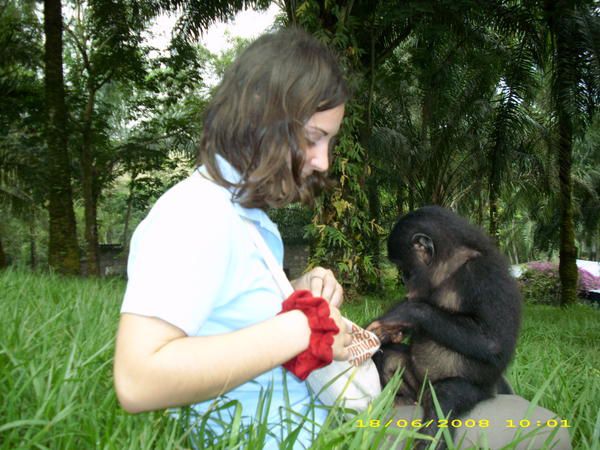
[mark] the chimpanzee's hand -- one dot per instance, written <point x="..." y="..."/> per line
<point x="387" y="331"/>
<point x="391" y="327"/>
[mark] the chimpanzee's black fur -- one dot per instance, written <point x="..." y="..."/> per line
<point x="462" y="314"/>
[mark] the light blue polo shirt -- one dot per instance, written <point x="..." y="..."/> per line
<point x="193" y="264"/>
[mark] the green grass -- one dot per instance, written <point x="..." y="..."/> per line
<point x="56" y="350"/>
<point x="566" y="344"/>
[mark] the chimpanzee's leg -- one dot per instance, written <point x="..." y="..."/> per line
<point x="455" y="396"/>
<point x="387" y="360"/>
<point x="504" y="387"/>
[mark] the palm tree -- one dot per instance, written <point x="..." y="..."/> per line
<point x="573" y="98"/>
<point x="560" y="38"/>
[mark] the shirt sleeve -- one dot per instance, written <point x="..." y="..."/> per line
<point x="178" y="261"/>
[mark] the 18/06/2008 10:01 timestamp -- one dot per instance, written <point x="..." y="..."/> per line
<point x="457" y="423"/>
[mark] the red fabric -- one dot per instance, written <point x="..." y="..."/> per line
<point x="319" y="352"/>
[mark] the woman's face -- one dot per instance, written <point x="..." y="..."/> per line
<point x="320" y="129"/>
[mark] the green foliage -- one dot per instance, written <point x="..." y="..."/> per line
<point x="21" y="53"/>
<point x="443" y="92"/>
<point x="199" y="15"/>
<point x="292" y="221"/>
<point x="22" y="161"/>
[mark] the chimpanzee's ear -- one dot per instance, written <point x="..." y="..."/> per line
<point x="424" y="248"/>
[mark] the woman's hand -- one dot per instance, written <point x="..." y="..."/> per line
<point x="321" y="283"/>
<point x="343" y="339"/>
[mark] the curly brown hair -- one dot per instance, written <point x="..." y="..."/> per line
<point x="257" y="115"/>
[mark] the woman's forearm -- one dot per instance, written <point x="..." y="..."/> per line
<point x="171" y="369"/>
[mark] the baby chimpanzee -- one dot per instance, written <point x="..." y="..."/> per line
<point x="462" y="313"/>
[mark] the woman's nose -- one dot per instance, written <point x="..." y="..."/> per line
<point x="319" y="157"/>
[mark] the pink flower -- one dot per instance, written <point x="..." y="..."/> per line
<point x="586" y="281"/>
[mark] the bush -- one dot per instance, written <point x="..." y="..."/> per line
<point x="540" y="287"/>
<point x="540" y="283"/>
<point x="292" y="221"/>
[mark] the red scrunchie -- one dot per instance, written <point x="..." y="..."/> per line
<point x="319" y="352"/>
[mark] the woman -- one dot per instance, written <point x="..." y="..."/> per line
<point x="200" y="314"/>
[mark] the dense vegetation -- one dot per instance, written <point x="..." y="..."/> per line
<point x="485" y="107"/>
<point x="57" y="343"/>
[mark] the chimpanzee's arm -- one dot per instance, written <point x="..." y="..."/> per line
<point x="457" y="332"/>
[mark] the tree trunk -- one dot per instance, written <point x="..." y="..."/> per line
<point x="290" y="10"/>
<point x="32" y="246"/>
<point x="128" y="212"/>
<point x="516" y="259"/>
<point x="3" y="260"/>
<point x="568" y="251"/>
<point x="494" y="178"/>
<point x="559" y="13"/>
<point x="400" y="198"/>
<point x="63" y="250"/>
<point x="432" y="181"/>
<point x="479" y="205"/>
<point x="88" y="177"/>
<point x="493" y="187"/>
